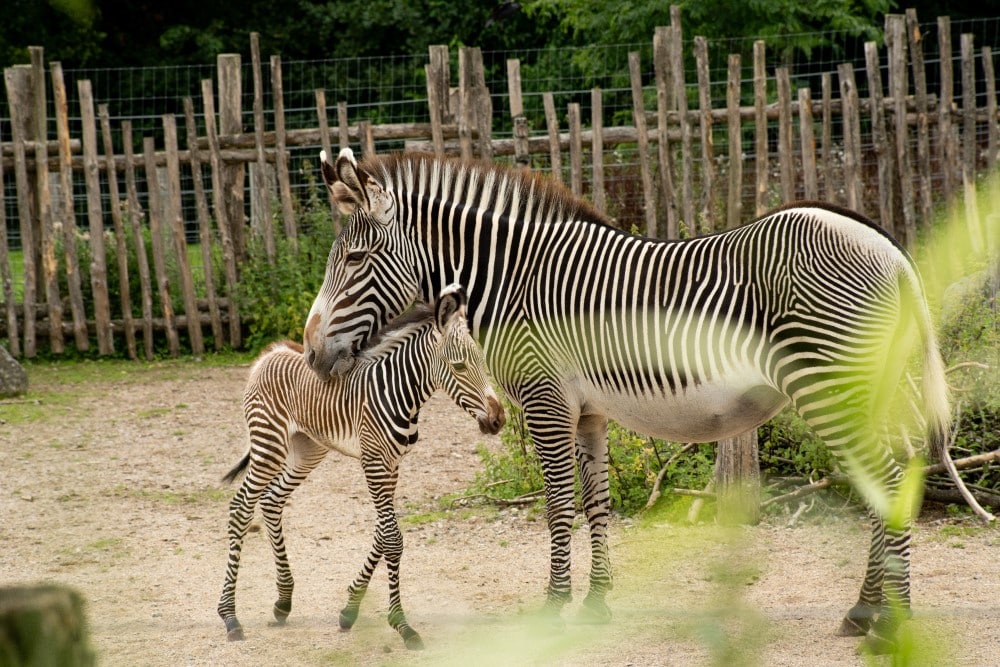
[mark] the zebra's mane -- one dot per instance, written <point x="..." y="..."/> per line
<point x="418" y="170"/>
<point x="397" y="331"/>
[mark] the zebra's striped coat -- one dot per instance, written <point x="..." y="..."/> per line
<point x="692" y="340"/>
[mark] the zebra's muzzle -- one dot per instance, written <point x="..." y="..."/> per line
<point x="494" y="419"/>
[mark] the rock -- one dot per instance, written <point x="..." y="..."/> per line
<point x="13" y="378"/>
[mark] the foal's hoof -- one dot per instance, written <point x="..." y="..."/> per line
<point x="347" y="618"/>
<point x="234" y="631"/>
<point x="877" y="644"/>
<point x="412" y="640"/>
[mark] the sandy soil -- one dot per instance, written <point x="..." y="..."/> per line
<point x="116" y="493"/>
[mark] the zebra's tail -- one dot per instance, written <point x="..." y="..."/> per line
<point x="937" y="403"/>
<point x="237" y="469"/>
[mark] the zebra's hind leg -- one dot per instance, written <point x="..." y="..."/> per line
<point x="304" y="456"/>
<point x="592" y="458"/>
<point x="862" y="615"/>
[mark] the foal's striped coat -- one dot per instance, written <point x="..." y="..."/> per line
<point x="370" y="414"/>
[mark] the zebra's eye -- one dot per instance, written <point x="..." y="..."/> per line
<point x="459" y="366"/>
<point x="355" y="256"/>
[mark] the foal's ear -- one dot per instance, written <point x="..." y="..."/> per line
<point x="451" y="301"/>
<point x="345" y="181"/>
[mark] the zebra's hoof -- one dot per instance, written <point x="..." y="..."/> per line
<point x="412" y="640"/>
<point x="347" y="618"/>
<point x="282" y="608"/>
<point x="858" y="621"/>
<point x="594" y="612"/>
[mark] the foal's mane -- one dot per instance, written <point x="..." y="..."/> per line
<point x="397" y="331"/>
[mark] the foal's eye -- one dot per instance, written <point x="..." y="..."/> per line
<point x="459" y="366"/>
<point x="356" y="256"/>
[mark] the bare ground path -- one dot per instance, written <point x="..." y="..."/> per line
<point x="115" y="491"/>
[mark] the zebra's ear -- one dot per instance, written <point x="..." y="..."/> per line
<point x="345" y="181"/>
<point x="451" y="301"/>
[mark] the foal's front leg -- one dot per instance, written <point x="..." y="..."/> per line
<point x="304" y="456"/>
<point x="381" y="477"/>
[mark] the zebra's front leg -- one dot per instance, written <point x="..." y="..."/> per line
<point x="894" y="607"/>
<point x="304" y="456"/>
<point x="592" y="458"/>
<point x="552" y="425"/>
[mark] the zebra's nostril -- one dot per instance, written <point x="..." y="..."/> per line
<point x="311" y="359"/>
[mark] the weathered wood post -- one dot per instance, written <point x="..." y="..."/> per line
<point x="232" y="175"/>
<point x="18" y="82"/>
<point x="639" y="118"/>
<point x="43" y="625"/>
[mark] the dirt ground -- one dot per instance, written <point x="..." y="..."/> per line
<point x="116" y="493"/>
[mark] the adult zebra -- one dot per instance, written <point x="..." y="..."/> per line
<point x="692" y="340"/>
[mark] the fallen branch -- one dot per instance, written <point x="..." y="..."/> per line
<point x="963" y="464"/>
<point x="949" y="466"/>
<point x="654" y="495"/>
<point x="525" y="499"/>
<point x="694" y="492"/>
<point x="952" y="496"/>
<point x="799" y="492"/>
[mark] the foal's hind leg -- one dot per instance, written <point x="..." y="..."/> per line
<point x="304" y="456"/>
<point x="241" y="510"/>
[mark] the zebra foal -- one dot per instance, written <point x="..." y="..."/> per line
<point x="295" y="418"/>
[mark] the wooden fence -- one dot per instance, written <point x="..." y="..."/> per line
<point x="891" y="154"/>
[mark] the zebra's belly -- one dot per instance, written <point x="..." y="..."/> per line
<point x="701" y="413"/>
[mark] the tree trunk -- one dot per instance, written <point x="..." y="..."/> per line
<point x="737" y="480"/>
<point x="43" y="625"/>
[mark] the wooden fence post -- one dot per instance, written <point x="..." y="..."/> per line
<point x="176" y="224"/>
<point x="521" y="156"/>
<point x="343" y="129"/>
<point x="138" y="240"/>
<point x="204" y="223"/>
<point x="98" y="261"/>
<point x="43" y="206"/>
<point x="880" y="139"/>
<point x="760" y="124"/>
<point x="826" y="140"/>
<point x="153" y="209"/>
<point x="281" y="155"/>
<point x="852" y="136"/>
<point x="18" y="82"/>
<point x="639" y="118"/>
<point x="807" y="139"/>
<point x="947" y="153"/>
<point x="923" y="158"/>
<point x="664" y="104"/>
<point x="440" y="77"/>
<point x="121" y="249"/>
<point x="597" y="149"/>
<point x="6" y="279"/>
<point x="575" y="149"/>
<point x="786" y="159"/>
<point x="219" y="205"/>
<point x="232" y="174"/>
<point x="73" y="280"/>
<point x="434" y="108"/>
<point x="970" y="147"/>
<point x="707" y="209"/>
<point x="262" y="222"/>
<point x="555" y="149"/>
<point x="466" y="104"/>
<point x="895" y="36"/>
<point x="680" y="99"/>
<point x="324" y="141"/>
<point x="734" y="205"/>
